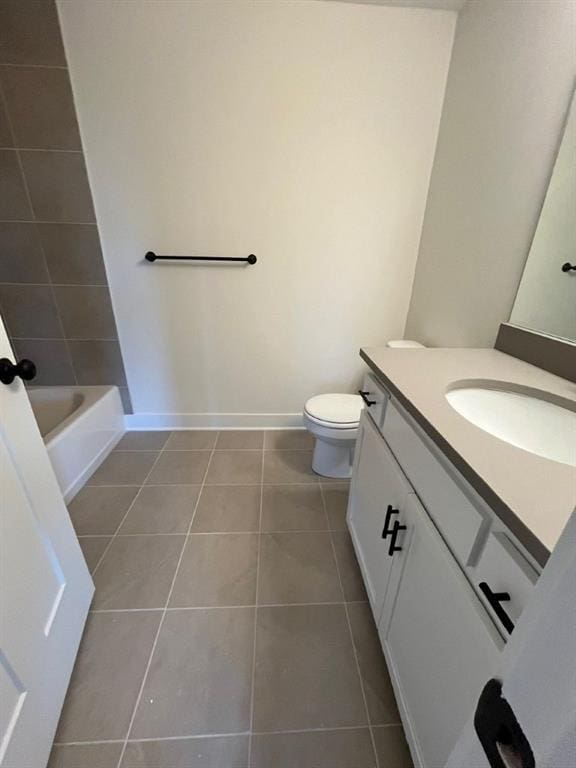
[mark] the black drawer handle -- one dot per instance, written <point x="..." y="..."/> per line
<point x="364" y="395"/>
<point x="394" y="533"/>
<point x="495" y="598"/>
<point x="387" y="531"/>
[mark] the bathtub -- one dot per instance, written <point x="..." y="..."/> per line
<point x="80" y="426"/>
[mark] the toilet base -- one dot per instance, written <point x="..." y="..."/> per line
<point x="333" y="459"/>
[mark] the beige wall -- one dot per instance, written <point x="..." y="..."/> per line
<point x="303" y="132"/>
<point x="512" y="72"/>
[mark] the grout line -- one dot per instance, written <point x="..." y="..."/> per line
<point x="44" y="221"/>
<point x="223" y="607"/>
<point x="222" y="735"/>
<point x="256" y="599"/>
<point x="54" y="338"/>
<point x="161" y="623"/>
<point x="42" y="149"/>
<point x="51" y="282"/>
<point x="206" y="533"/>
<point x="354" y="649"/>
<point x="32" y="66"/>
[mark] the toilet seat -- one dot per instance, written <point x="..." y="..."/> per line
<point x="334" y="411"/>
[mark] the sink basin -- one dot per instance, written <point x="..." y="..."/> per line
<point x="526" y="418"/>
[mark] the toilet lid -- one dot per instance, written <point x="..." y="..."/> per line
<point x="335" y="409"/>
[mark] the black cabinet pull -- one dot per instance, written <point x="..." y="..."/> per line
<point x="394" y="533"/>
<point x="387" y="531"/>
<point x="364" y="395"/>
<point x="25" y="369"/>
<point x="494" y="599"/>
<point x="567" y="267"/>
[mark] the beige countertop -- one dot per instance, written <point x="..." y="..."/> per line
<point x="533" y="496"/>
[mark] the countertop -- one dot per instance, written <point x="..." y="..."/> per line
<point x="533" y="496"/>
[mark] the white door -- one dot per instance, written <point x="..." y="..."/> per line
<point x="377" y="496"/>
<point x="440" y="643"/>
<point x="45" y="587"/>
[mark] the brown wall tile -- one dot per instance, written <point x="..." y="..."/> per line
<point x="54" y="293"/>
<point x="97" y="362"/>
<point x="58" y="186"/>
<point x="29" y="33"/>
<point x="86" y="312"/>
<point x="13" y="200"/>
<point x="5" y="133"/>
<point x="41" y="107"/>
<point x="29" y="312"/>
<point x="73" y="253"/>
<point x="51" y="358"/>
<point x="21" y="257"/>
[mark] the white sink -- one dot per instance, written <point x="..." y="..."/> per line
<point x="528" y="419"/>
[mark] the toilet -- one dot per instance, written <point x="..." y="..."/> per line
<point x="333" y="420"/>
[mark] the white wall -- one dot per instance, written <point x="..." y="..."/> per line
<point x="512" y="72"/>
<point x="303" y="132"/>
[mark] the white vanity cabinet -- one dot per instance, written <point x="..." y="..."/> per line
<point x="428" y="549"/>
<point x="440" y="643"/>
<point x="377" y="500"/>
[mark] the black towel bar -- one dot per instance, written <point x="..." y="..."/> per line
<point x="151" y="256"/>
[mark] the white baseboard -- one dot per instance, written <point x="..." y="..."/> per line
<point x="141" y="421"/>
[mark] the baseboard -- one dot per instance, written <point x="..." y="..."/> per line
<point x="141" y="421"/>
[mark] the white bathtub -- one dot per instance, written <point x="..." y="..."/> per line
<point x="80" y="426"/>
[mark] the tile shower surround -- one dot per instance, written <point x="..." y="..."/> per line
<point x="54" y="295"/>
<point x="230" y="627"/>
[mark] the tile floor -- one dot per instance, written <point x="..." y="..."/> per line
<point x="230" y="627"/>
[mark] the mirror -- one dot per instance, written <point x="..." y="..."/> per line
<point x="546" y="298"/>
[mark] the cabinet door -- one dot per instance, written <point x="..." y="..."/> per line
<point x="440" y="643"/>
<point x="377" y="482"/>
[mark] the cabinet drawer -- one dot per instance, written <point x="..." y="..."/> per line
<point x="374" y="392"/>
<point x="504" y="569"/>
<point x="457" y="518"/>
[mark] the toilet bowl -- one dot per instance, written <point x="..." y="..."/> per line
<point x="333" y="420"/>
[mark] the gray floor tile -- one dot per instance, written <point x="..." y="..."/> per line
<point x="200" y="676"/>
<point x="192" y="440"/>
<point x="297" y="568"/>
<point x="85" y="756"/>
<point x="351" y="748"/>
<point x="306" y="674"/>
<point x="292" y="508"/>
<point x="107" y="676"/>
<point x="162" y="509"/>
<point x="377" y="686"/>
<point x="217" y="569"/>
<point x="288" y="467"/>
<point x="288" y="440"/>
<point x="215" y="752"/>
<point x="235" y="467"/>
<point x="240" y="440"/>
<point x="348" y="565"/>
<point x="124" y="468"/>
<point x="391" y="747"/>
<point x="336" y="500"/>
<point x="228" y="508"/>
<point x="143" y="441"/>
<point x="137" y="572"/>
<point x="93" y="548"/>
<point x="95" y="511"/>
<point x="175" y="467"/>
